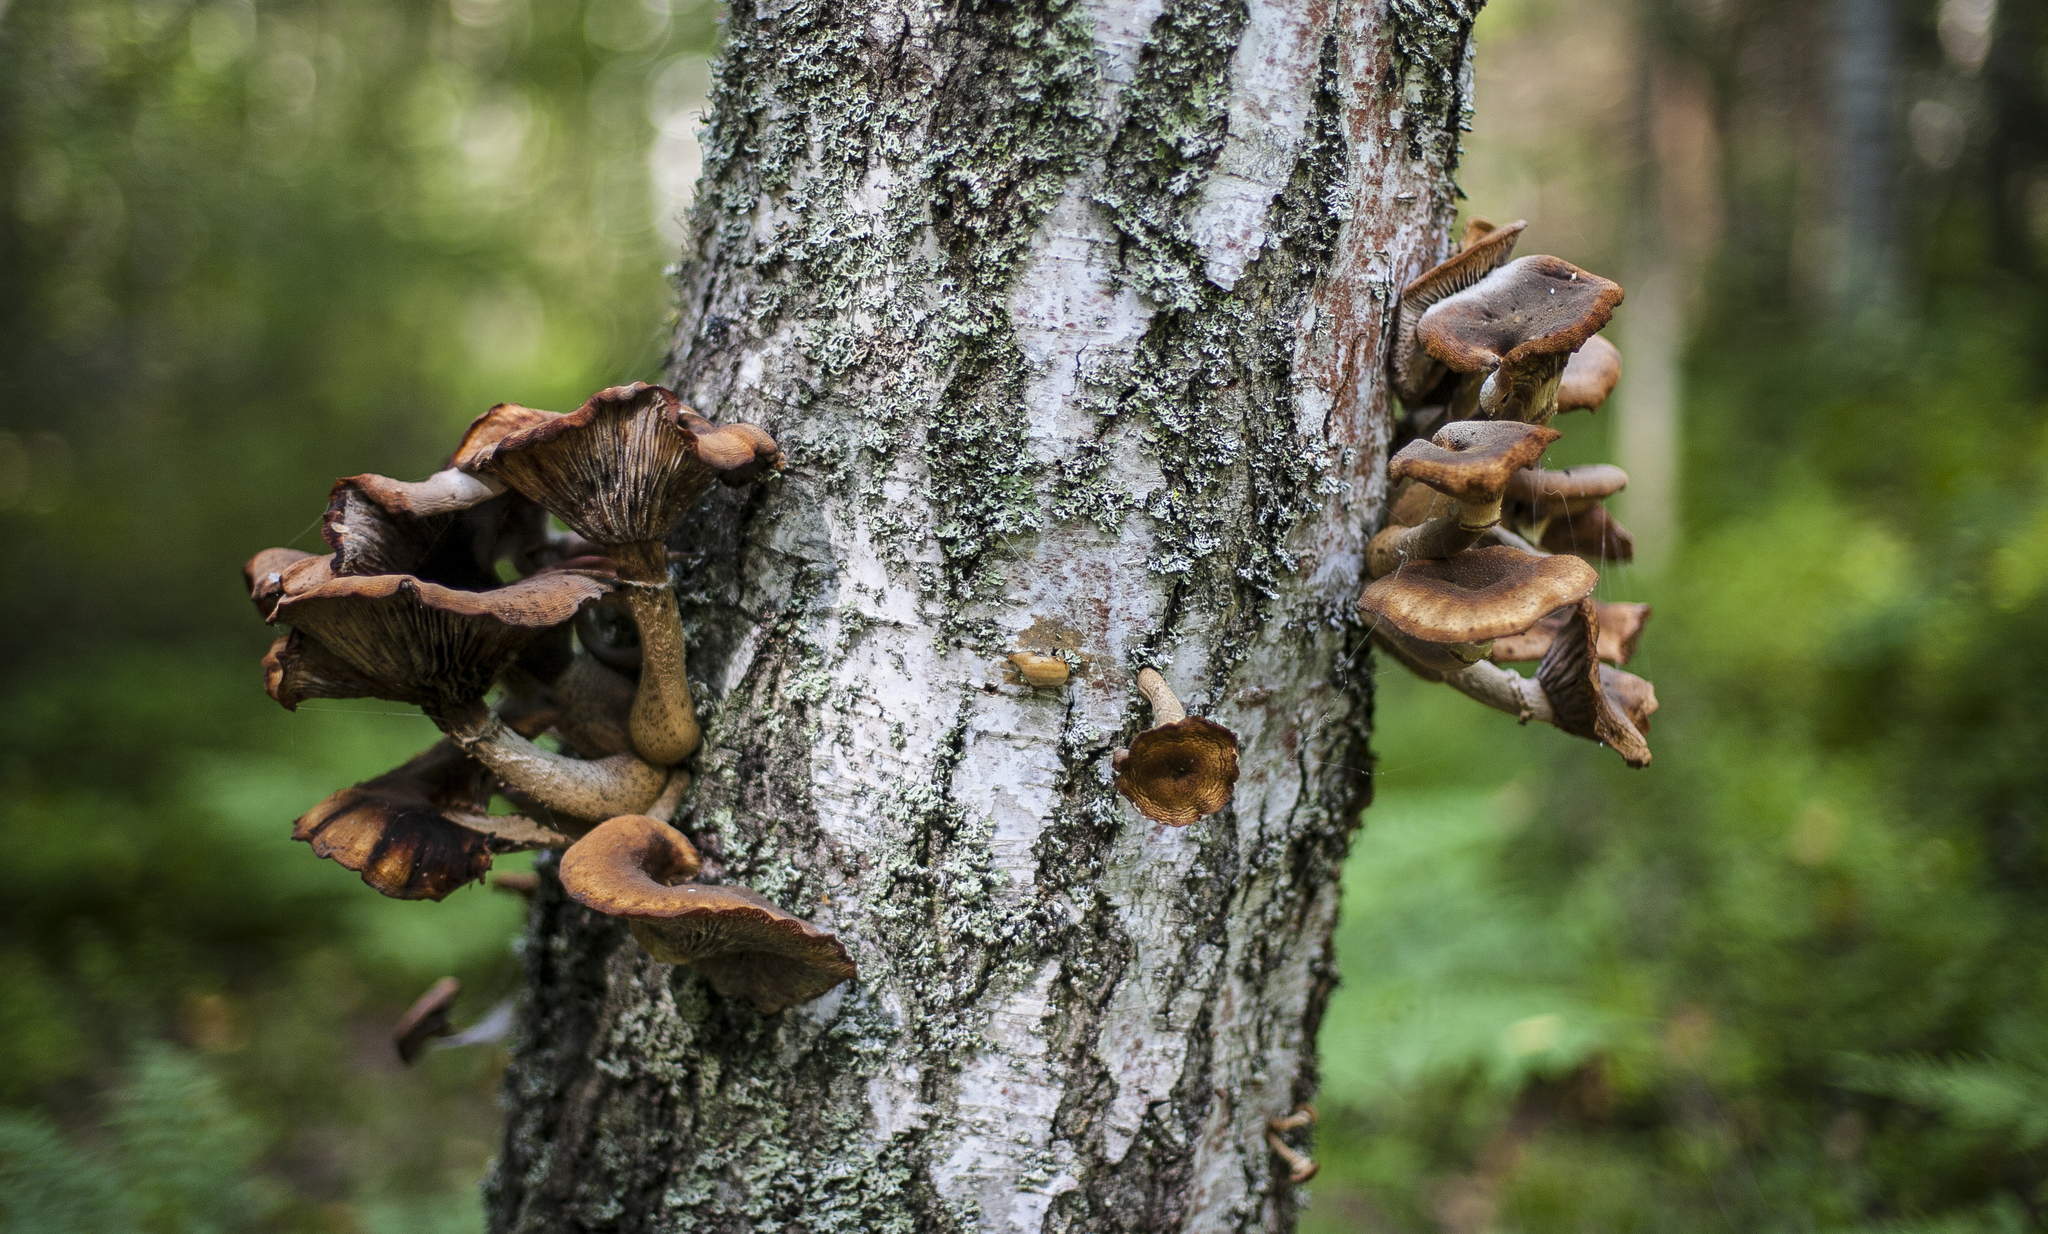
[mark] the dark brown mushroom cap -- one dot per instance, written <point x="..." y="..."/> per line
<point x="373" y="529"/>
<point x="1589" y="376"/>
<point x="263" y="575"/>
<point x="1481" y="593"/>
<point x="1621" y="630"/>
<point x="298" y="667"/>
<point x="427" y="1018"/>
<point x="1574" y="488"/>
<point x="492" y="427"/>
<point x="421" y="830"/>
<point x="1591" y="533"/>
<point x="1178" y="773"/>
<point x="1572" y="679"/>
<point x="742" y="942"/>
<point x="1472" y="460"/>
<point x="1537" y="306"/>
<point x="1415" y="371"/>
<point x="431" y="645"/>
<point x="626" y="466"/>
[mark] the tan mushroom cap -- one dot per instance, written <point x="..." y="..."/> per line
<point x="1572" y="678"/>
<point x="742" y="943"/>
<point x="1480" y="594"/>
<point x="426" y="1019"/>
<point x="1473" y="460"/>
<point x="1621" y="631"/>
<point x="373" y="528"/>
<point x="1178" y="773"/>
<point x="1589" y="376"/>
<point x="263" y="575"/>
<point x="1572" y="489"/>
<point x="421" y="830"/>
<point x="1414" y="370"/>
<point x="625" y="467"/>
<point x="1537" y="306"/>
<point x="1591" y="533"/>
<point x="298" y="667"/>
<point x="423" y="643"/>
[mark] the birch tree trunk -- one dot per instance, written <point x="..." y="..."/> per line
<point x="1071" y="317"/>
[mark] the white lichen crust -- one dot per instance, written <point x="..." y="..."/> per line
<point x="1071" y="318"/>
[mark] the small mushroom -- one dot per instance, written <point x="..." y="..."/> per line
<point x="1572" y="678"/>
<point x="1593" y="534"/>
<point x="1415" y="371"/>
<point x="1463" y="603"/>
<point x="426" y="1019"/>
<point x="742" y="943"/>
<point x="1183" y="768"/>
<point x="1589" y="376"/>
<point x="1512" y="333"/>
<point x="263" y="575"/>
<point x="421" y="830"/>
<point x="1300" y="1168"/>
<point x="374" y="527"/>
<point x="1040" y="672"/>
<point x="1621" y="629"/>
<point x="1470" y="462"/>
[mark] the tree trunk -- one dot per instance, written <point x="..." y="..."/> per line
<point x="1071" y="318"/>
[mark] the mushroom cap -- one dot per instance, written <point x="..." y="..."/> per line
<point x="744" y="944"/>
<point x="492" y="427"/>
<point x="1589" y="376"/>
<point x="1636" y="696"/>
<point x="372" y="529"/>
<point x="298" y="667"/>
<point x="1537" y="306"/>
<point x="626" y="466"/>
<point x="425" y="1019"/>
<point x="1472" y="460"/>
<point x="1572" y="679"/>
<point x="1481" y="593"/>
<point x="423" y="643"/>
<point x="1621" y="630"/>
<point x="1178" y="773"/>
<point x="1574" y="488"/>
<point x="416" y="832"/>
<point x="263" y="575"/>
<point x="1415" y="370"/>
<point x="1591" y="533"/>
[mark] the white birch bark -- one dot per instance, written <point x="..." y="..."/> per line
<point x="1071" y="317"/>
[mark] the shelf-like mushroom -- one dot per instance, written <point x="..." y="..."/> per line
<point x="1572" y="678"/>
<point x="1470" y="462"/>
<point x="1512" y="333"/>
<point x="1589" y="376"/>
<point x="1183" y="768"/>
<point x="298" y="667"/>
<point x="1415" y="371"/>
<point x="1463" y="603"/>
<point x="742" y="943"/>
<point x="1593" y="534"/>
<point x="421" y="830"/>
<point x="1621" y="629"/>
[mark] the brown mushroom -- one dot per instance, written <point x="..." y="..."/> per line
<point x="1546" y="494"/>
<point x="1512" y="333"/>
<point x="1470" y="462"/>
<point x="1589" y="376"/>
<point x="1040" y="672"/>
<point x="374" y="527"/>
<point x="421" y="830"/>
<point x="1463" y="603"/>
<point x="1572" y="678"/>
<point x="263" y="575"/>
<point x="1300" y="1168"/>
<point x="1593" y="534"/>
<point x="298" y="667"/>
<point x="1621" y="629"/>
<point x="742" y="943"/>
<point x="1183" y="768"/>
<point x="1415" y="371"/>
<point x="426" y="1019"/>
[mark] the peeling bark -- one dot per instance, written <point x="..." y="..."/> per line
<point x="1071" y="318"/>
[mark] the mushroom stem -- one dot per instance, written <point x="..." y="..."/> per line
<point x="664" y="720"/>
<point x="586" y="790"/>
<point x="665" y="806"/>
<point x="1299" y="1168"/>
<point x="1166" y="708"/>
<point x="445" y="492"/>
<point x="1443" y="536"/>
<point x="1525" y="391"/>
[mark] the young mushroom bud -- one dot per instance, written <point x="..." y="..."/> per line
<point x="1589" y="376"/>
<point x="1183" y="768"/>
<point x="1462" y="604"/>
<point x="420" y="831"/>
<point x="742" y="943"/>
<point x="1471" y="462"/>
<point x="1513" y="331"/>
<point x="425" y="1020"/>
<point x="1415" y="371"/>
<point x="1572" y="678"/>
<point x="1040" y="672"/>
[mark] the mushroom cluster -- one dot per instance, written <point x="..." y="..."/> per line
<point x="1486" y="558"/>
<point x="454" y="594"/>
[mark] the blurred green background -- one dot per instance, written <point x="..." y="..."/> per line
<point x="1791" y="977"/>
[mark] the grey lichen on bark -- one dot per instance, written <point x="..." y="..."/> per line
<point x="1071" y="320"/>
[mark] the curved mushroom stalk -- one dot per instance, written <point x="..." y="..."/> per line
<point x="425" y="1020"/>
<point x="421" y="830"/>
<point x="1471" y="464"/>
<point x="582" y="789"/>
<point x="1496" y="687"/>
<point x="1575" y="681"/>
<point x="664" y="719"/>
<point x="1183" y="768"/>
<point x="1518" y="326"/>
<point x="742" y="943"/>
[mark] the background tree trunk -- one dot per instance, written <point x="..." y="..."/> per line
<point x="1071" y="318"/>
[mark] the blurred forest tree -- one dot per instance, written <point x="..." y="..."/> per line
<point x="1790" y="977"/>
